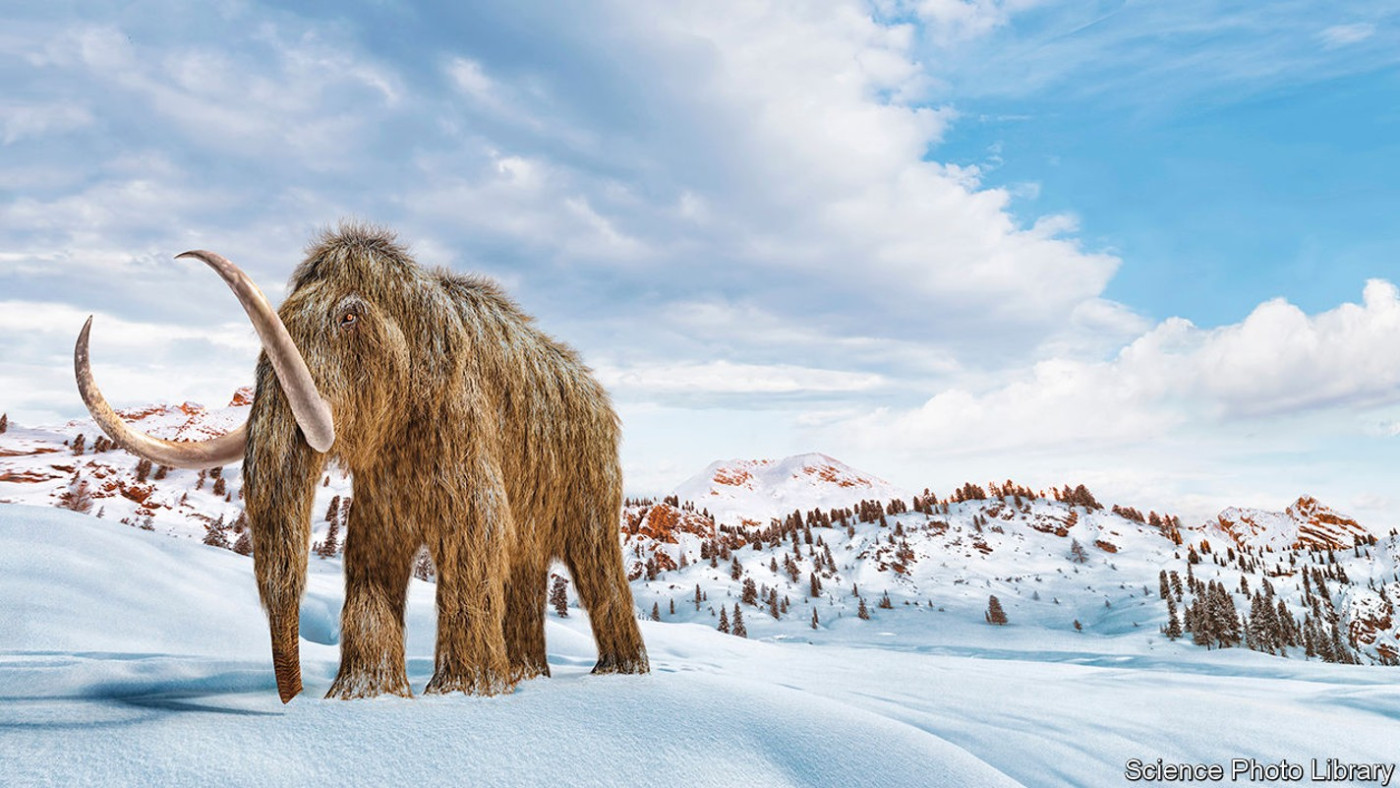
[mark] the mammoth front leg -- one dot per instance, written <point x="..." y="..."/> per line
<point x="378" y="561"/>
<point x="471" y="555"/>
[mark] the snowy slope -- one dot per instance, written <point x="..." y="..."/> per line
<point x="114" y="672"/>
<point x="735" y="491"/>
<point x="39" y="464"/>
<point x="938" y="570"/>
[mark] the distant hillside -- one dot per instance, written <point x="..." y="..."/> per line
<point x="796" y="546"/>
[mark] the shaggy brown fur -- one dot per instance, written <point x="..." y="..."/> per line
<point x="466" y="429"/>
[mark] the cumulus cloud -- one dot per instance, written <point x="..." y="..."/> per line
<point x="1277" y="361"/>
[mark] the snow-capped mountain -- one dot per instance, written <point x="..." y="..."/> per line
<point x="753" y="491"/>
<point x="1306" y="524"/>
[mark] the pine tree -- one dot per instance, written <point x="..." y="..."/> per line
<point x="723" y="620"/>
<point x="220" y="486"/>
<point x="77" y="497"/>
<point x="244" y="544"/>
<point x="863" y="612"/>
<point x="1076" y="552"/>
<point x="423" y="568"/>
<point x="739" y="629"/>
<point x="78" y="444"/>
<point x="4" y="423"/>
<point x="750" y="594"/>
<point x="994" y="614"/>
<point x="214" y="535"/>
<point x="330" y="546"/>
<point x="161" y="472"/>
<point x="673" y="606"/>
<point x="698" y="597"/>
<point x="143" y="470"/>
<point x="1288" y="632"/>
<point x="655" y="611"/>
<point x="559" y="596"/>
<point x="885" y="602"/>
<point x="814" y="585"/>
<point x="815" y="620"/>
<point x="1173" y="624"/>
<point x="333" y="509"/>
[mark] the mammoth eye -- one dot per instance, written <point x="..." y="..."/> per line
<point x="348" y="319"/>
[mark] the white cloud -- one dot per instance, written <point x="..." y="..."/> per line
<point x="952" y="21"/>
<point x="21" y="121"/>
<point x="1342" y="35"/>
<point x="469" y="77"/>
<point x="1277" y="361"/>
<point x="281" y="97"/>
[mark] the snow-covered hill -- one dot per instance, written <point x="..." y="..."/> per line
<point x="43" y="466"/>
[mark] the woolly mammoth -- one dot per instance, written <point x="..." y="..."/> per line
<point x="466" y="429"/>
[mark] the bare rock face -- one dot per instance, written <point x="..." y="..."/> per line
<point x="1321" y="528"/>
<point x="1305" y="525"/>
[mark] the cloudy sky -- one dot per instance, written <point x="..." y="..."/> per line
<point x="1148" y="247"/>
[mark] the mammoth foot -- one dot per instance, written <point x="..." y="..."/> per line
<point x="528" y="669"/>
<point x="366" y="684"/>
<point x="633" y="664"/>
<point x="472" y="681"/>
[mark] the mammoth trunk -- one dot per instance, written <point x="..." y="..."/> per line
<point x="280" y="472"/>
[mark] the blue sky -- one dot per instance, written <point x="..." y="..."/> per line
<point x="1148" y="247"/>
<point x="1256" y="158"/>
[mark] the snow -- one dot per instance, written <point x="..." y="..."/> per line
<point x="128" y="657"/>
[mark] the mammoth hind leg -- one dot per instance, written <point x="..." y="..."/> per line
<point x="524" y="620"/>
<point x="596" y="565"/>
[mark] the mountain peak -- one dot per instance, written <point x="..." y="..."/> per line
<point x="743" y="489"/>
<point x="1305" y="524"/>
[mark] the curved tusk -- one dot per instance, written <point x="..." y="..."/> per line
<point x="313" y="413"/>
<point x="211" y="453"/>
